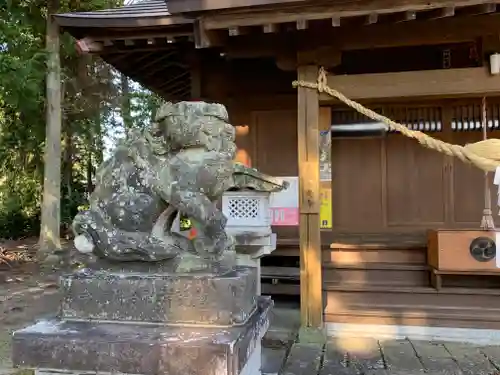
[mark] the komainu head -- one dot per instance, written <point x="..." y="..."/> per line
<point x="196" y="125"/>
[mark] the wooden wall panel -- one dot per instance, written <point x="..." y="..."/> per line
<point x="415" y="184"/>
<point x="467" y="187"/>
<point x="245" y="135"/>
<point x="276" y="139"/>
<point x="356" y="185"/>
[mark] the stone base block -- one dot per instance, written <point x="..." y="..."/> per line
<point x="108" y="295"/>
<point x="141" y="349"/>
<point x="252" y="367"/>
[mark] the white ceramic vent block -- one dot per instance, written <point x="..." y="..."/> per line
<point x="246" y="209"/>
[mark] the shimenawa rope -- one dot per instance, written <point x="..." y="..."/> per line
<point x="484" y="155"/>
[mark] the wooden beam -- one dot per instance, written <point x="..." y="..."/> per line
<point x="237" y="31"/>
<point x="430" y="83"/>
<point x="309" y="202"/>
<point x="270" y="28"/>
<point x="141" y="34"/>
<point x="409" y="15"/>
<point x="186" y="6"/>
<point x="88" y="45"/>
<point x="116" y="50"/>
<point x="142" y="57"/>
<point x="371" y="19"/>
<point x="301" y="24"/>
<point x="204" y="38"/>
<point x="172" y="80"/>
<point x="440" y="13"/>
<point x="448" y="30"/>
<point x="178" y="85"/>
<point x="321" y="12"/>
<point x="118" y="57"/>
<point x="152" y="62"/>
<point x="195" y="75"/>
<point x="477" y="9"/>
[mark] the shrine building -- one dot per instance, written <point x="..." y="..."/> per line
<point x="378" y="231"/>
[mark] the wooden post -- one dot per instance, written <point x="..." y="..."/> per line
<point x="51" y="205"/>
<point x="309" y="201"/>
<point x="196" y="87"/>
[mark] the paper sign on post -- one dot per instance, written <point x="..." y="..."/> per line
<point x="284" y="205"/>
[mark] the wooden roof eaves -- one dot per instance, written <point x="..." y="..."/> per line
<point x="110" y="21"/>
<point x="192" y="6"/>
<point x="290" y="13"/>
<point x="144" y="14"/>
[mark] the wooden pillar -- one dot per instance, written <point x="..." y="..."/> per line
<point x="309" y="201"/>
<point x="51" y="205"/>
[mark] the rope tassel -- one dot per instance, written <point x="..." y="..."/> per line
<point x="487" y="222"/>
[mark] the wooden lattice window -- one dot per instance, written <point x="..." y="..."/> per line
<point x="469" y="117"/>
<point x="426" y="119"/>
<point x="423" y="118"/>
<point x="348" y="116"/>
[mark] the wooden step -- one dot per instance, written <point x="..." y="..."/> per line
<point x="434" y="318"/>
<point x="285" y="289"/>
<point x="282" y="273"/>
<point x="369" y="274"/>
<point x="417" y="298"/>
<point x="356" y="256"/>
<point x="449" y="307"/>
<point x="391" y="274"/>
<point x="377" y="266"/>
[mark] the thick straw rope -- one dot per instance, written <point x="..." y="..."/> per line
<point x="484" y="155"/>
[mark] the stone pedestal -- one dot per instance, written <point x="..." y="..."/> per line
<point x="132" y="322"/>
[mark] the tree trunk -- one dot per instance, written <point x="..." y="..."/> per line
<point x="51" y="205"/>
<point x="125" y="108"/>
<point x="99" y="144"/>
<point x="89" y="168"/>
<point x="68" y="160"/>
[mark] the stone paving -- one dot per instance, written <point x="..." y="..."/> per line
<point x="282" y="355"/>
<point x="402" y="357"/>
<point x="26" y="298"/>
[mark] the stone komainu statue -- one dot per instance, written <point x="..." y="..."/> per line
<point x="182" y="165"/>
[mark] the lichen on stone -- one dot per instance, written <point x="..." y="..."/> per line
<point x="180" y="166"/>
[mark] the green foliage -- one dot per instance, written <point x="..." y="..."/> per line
<point x="91" y="114"/>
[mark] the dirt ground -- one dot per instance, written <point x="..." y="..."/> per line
<point x="26" y="293"/>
